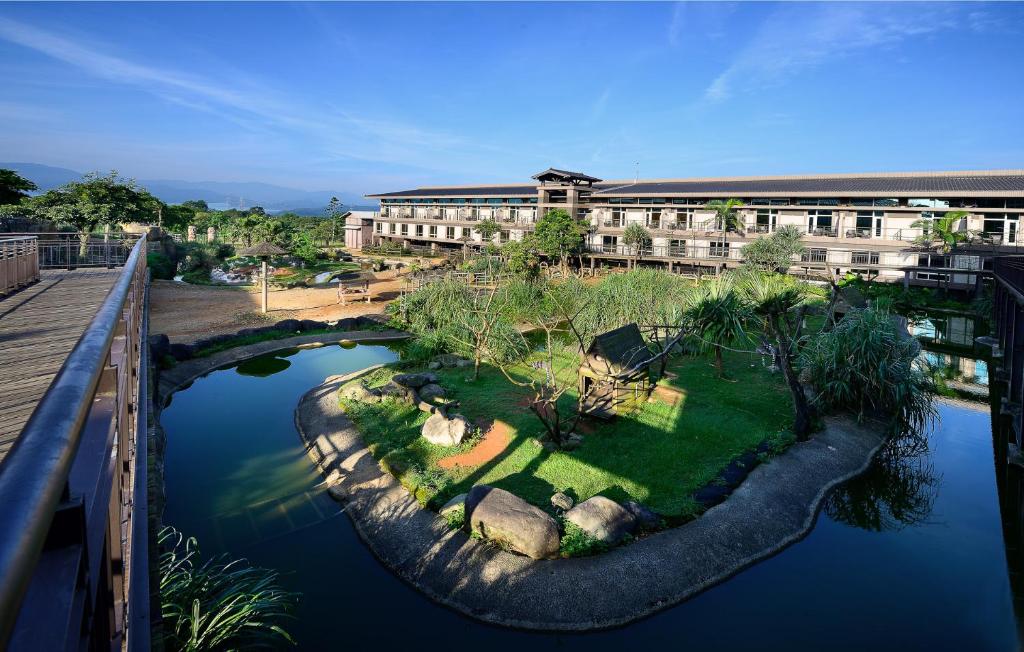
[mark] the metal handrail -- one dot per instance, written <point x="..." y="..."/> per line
<point x="34" y="477"/>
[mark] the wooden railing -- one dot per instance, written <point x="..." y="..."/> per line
<point x="74" y="554"/>
<point x="19" y="263"/>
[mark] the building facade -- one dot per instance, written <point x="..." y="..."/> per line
<point x="862" y="223"/>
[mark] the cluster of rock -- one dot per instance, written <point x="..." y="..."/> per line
<point x="501" y="516"/>
<point x="423" y="391"/>
<point x="448" y="361"/>
<point x="161" y="346"/>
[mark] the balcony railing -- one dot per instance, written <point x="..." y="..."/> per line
<point x="19" y="262"/>
<point x="74" y="565"/>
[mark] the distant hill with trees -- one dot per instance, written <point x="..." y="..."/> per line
<point x="222" y="194"/>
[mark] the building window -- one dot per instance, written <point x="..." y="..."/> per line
<point x="405" y="229"/>
<point x="380" y="227"/>
<point x="864" y="258"/>
<point x="391" y="229"/>
<point x="719" y="249"/>
<point x="504" y="236"/>
<point x="820" y="223"/>
<point x="449" y="232"/>
<point x="419" y="230"/>
<point x="765" y="221"/>
<point x="432" y="232"/>
<point x="677" y="247"/>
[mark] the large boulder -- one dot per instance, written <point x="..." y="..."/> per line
<point x="646" y="519"/>
<point x="312" y="325"/>
<point x="498" y="515"/>
<point x="159" y="346"/>
<point x="449" y="360"/>
<point x="346" y="324"/>
<point x="398" y="392"/>
<point x="442" y="431"/>
<point x="181" y="351"/>
<point x="289" y="325"/>
<point x="602" y="518"/>
<point x="415" y="381"/>
<point x="430" y="392"/>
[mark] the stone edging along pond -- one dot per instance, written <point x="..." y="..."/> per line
<point x="774" y="507"/>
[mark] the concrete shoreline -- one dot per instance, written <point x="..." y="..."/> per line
<point x="775" y="506"/>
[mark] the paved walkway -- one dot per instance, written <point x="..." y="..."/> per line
<point x="38" y="328"/>
<point x="774" y="507"/>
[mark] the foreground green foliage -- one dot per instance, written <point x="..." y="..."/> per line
<point x="218" y="603"/>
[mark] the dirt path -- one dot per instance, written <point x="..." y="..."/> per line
<point x="186" y="313"/>
<point x="490" y="446"/>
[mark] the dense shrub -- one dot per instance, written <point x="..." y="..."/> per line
<point x="867" y="364"/>
<point x="160" y="266"/>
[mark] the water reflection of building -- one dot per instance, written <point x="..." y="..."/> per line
<point x="953" y="329"/>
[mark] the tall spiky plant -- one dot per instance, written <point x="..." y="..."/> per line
<point x="717" y="313"/>
<point x="219" y="603"/>
<point x="779" y="303"/>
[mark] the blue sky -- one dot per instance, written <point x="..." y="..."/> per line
<point x="365" y="98"/>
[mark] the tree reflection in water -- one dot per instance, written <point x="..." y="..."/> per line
<point x="897" y="491"/>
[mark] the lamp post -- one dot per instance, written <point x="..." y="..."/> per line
<point x="263" y="251"/>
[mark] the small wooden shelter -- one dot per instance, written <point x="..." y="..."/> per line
<point x="615" y="374"/>
<point x="263" y="251"/>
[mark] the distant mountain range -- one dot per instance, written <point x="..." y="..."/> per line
<point x="218" y="194"/>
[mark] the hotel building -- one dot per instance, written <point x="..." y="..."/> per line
<point x="850" y="222"/>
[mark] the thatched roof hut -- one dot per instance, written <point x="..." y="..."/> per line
<point x="263" y="249"/>
<point x="614" y="375"/>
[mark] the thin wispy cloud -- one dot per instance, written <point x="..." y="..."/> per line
<point x="256" y="108"/>
<point x="802" y="36"/>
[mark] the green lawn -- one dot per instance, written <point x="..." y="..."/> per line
<point x="658" y="456"/>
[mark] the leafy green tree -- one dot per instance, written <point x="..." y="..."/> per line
<point x="520" y="257"/>
<point x="335" y="215"/>
<point x="559" y="235"/>
<point x="94" y="201"/>
<point x="14" y="187"/>
<point x="774" y="253"/>
<point x="779" y="303"/>
<point x="196" y="205"/>
<point x="303" y="246"/>
<point x="487" y="229"/>
<point x="636" y="237"/>
<point x="726" y="217"/>
<point x="717" y="314"/>
<point x="257" y="210"/>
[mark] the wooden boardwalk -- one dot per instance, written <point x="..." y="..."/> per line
<point x="38" y="328"/>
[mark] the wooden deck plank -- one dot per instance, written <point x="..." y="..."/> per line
<point x="38" y="328"/>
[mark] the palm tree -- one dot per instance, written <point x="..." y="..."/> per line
<point x="716" y="313"/>
<point x="779" y="303"/>
<point x="726" y="217"/>
<point x="636" y="237"/>
<point x="943" y="234"/>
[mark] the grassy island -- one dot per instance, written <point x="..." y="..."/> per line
<point x="659" y="455"/>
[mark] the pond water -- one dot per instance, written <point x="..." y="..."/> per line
<point x="909" y="555"/>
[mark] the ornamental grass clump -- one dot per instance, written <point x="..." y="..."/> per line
<point x="219" y="603"/>
<point x="867" y="364"/>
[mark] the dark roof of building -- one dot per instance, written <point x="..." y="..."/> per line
<point x="565" y="175"/>
<point x="838" y="185"/>
<point x="465" y="191"/>
<point x="620" y="348"/>
<point x="922" y="184"/>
